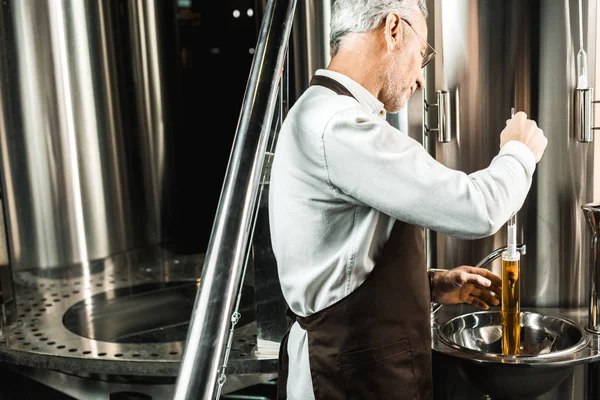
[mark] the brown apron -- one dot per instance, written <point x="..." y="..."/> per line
<point x="374" y="343"/>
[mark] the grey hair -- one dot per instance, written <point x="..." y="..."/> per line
<point x="365" y="15"/>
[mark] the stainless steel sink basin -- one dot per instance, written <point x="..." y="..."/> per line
<point x="542" y="336"/>
<point x="550" y="347"/>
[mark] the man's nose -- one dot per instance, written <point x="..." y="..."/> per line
<point x="421" y="80"/>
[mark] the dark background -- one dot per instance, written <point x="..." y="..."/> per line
<point x="216" y="50"/>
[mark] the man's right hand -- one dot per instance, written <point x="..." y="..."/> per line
<point x="526" y="131"/>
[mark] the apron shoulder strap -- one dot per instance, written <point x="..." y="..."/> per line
<point x="332" y="84"/>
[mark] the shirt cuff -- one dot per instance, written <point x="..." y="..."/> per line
<point x="521" y="152"/>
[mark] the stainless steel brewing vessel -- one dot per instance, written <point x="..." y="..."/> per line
<point x="310" y="41"/>
<point x="84" y="124"/>
<point x="493" y="56"/>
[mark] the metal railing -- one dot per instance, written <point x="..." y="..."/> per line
<point x="201" y="373"/>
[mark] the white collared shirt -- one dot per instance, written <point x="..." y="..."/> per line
<point x="340" y="177"/>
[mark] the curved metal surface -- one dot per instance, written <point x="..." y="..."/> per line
<point x="493" y="56"/>
<point x="522" y="248"/>
<point x="85" y="118"/>
<point x="150" y="312"/>
<point x="573" y="316"/>
<point x="205" y="351"/>
<point x="514" y="377"/>
<point x="310" y="40"/>
<point x="40" y="339"/>
<point x="592" y="217"/>
<point x="111" y="318"/>
<point x="545" y="338"/>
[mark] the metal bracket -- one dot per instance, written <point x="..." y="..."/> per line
<point x="584" y="119"/>
<point x="444" y="116"/>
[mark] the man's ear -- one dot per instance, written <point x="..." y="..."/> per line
<point x="393" y="31"/>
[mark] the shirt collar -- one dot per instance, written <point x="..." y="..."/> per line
<point x="360" y="93"/>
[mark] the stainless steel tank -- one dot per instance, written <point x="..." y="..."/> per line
<point x="310" y="41"/>
<point x="88" y="91"/>
<point x="493" y="56"/>
<point x="84" y="128"/>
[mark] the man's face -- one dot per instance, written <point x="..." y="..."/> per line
<point x="405" y="73"/>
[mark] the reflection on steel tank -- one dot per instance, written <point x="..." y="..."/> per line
<point x="84" y="127"/>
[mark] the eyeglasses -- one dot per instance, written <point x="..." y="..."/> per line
<point x="430" y="50"/>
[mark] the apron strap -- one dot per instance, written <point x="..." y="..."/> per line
<point x="282" y="368"/>
<point x="332" y="84"/>
<point x="283" y="359"/>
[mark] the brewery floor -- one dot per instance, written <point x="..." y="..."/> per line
<point x="15" y="386"/>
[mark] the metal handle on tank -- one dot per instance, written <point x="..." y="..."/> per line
<point x="584" y="119"/>
<point x="444" y="116"/>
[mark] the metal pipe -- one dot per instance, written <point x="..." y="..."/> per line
<point x="222" y="271"/>
<point x="521" y="248"/>
<point x="310" y="41"/>
<point x="8" y="306"/>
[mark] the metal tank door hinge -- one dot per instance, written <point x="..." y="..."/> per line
<point x="444" y="128"/>
<point x="584" y="93"/>
<point x="584" y="118"/>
